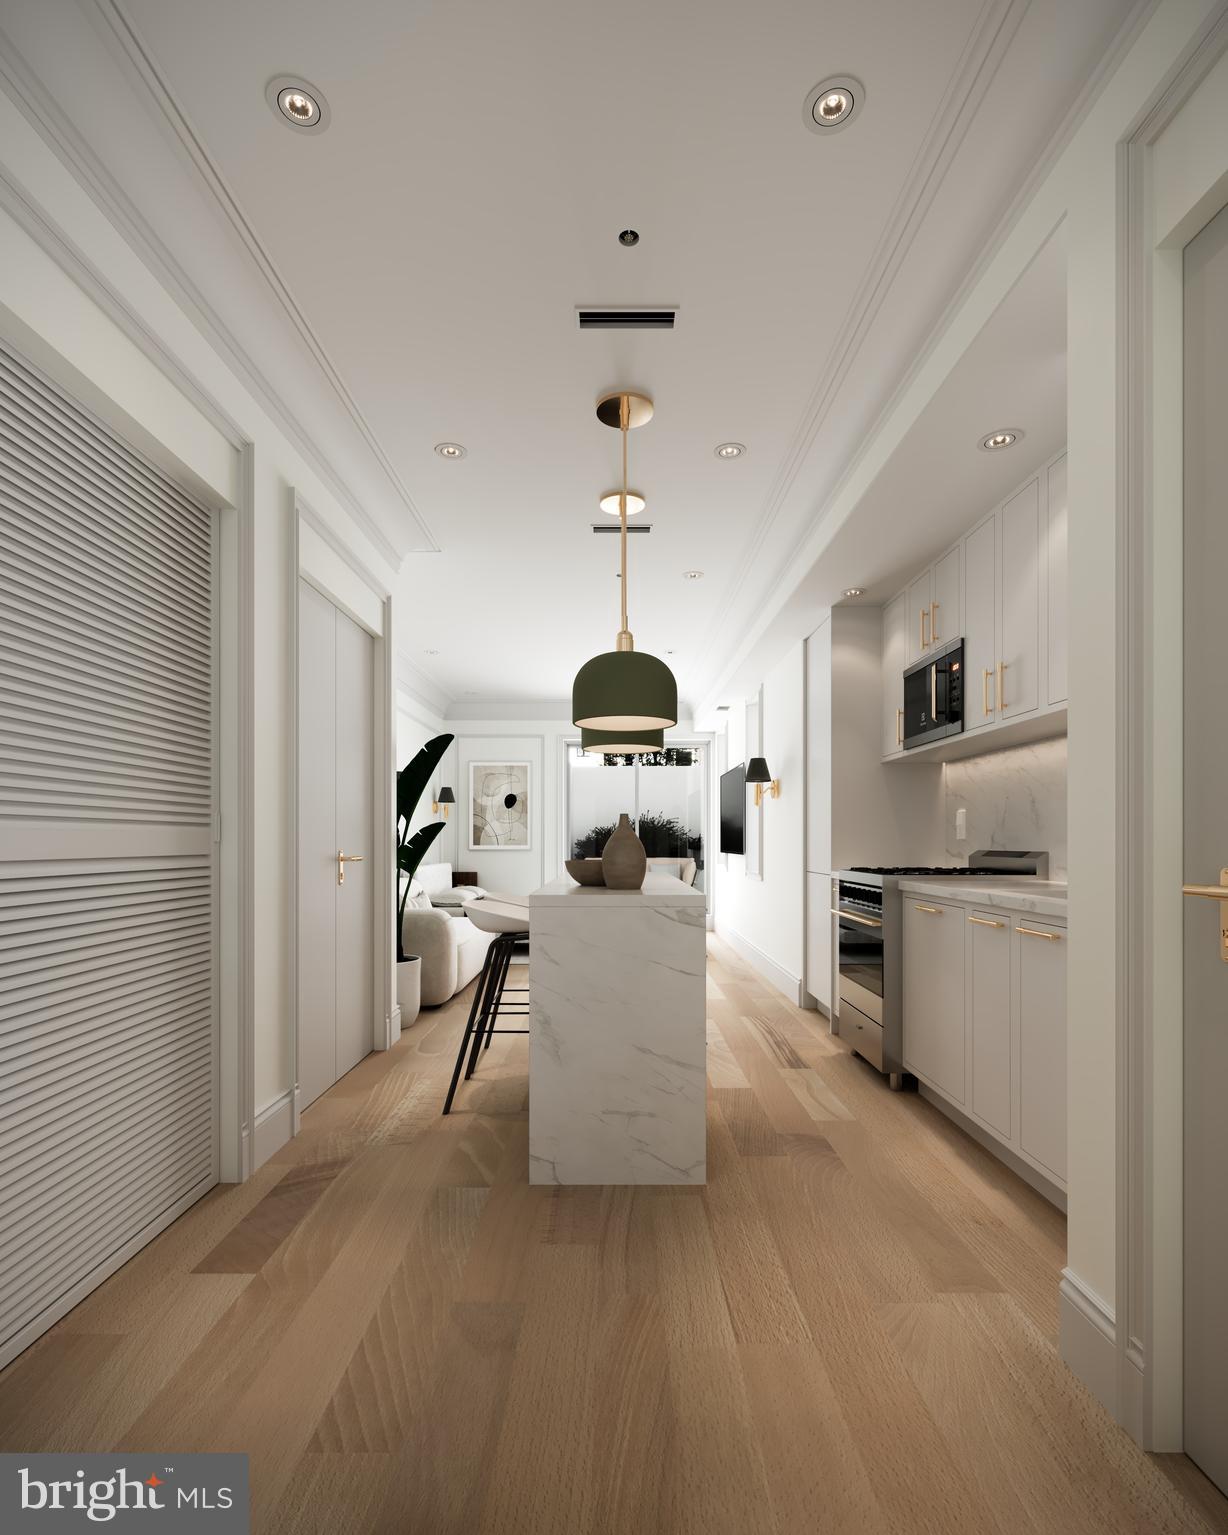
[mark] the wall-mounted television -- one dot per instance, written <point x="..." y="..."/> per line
<point x="733" y="810"/>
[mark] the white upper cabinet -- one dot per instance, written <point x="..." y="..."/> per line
<point x="945" y="600"/>
<point x="980" y="624"/>
<point x="920" y="595"/>
<point x="1018" y="675"/>
<point x="895" y="659"/>
<point x="1055" y="553"/>
<point x="1003" y="590"/>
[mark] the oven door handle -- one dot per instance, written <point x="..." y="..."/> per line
<point x="853" y="917"/>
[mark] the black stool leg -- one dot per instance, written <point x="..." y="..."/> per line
<point x="476" y="1009"/>
<point x="518" y="945"/>
<point x="494" y="1012"/>
<point x="494" y="995"/>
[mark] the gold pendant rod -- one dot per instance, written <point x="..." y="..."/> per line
<point x="624" y="415"/>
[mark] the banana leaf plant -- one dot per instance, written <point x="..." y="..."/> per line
<point x="411" y="786"/>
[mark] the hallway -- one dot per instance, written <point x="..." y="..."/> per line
<point x="850" y="1329"/>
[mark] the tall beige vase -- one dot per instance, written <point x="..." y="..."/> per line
<point x="624" y="861"/>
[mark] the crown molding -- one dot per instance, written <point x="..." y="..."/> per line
<point x="143" y="71"/>
<point x="987" y="44"/>
<point x="420" y="688"/>
<point x="40" y="109"/>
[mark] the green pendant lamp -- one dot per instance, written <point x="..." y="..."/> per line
<point x="624" y="689"/>
<point x="622" y="742"/>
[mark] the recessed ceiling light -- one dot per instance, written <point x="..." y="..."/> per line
<point x="854" y="591"/>
<point x="1004" y="437"/>
<point x="693" y="575"/>
<point x="449" y="450"/>
<point x="635" y="502"/>
<point x="297" y="103"/>
<point x="833" y="104"/>
<point x="730" y="450"/>
<point x="629" y="237"/>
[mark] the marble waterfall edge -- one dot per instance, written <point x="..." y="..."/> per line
<point x="617" y="1074"/>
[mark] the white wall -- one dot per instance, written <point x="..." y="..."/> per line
<point x="764" y="918"/>
<point x="110" y="332"/>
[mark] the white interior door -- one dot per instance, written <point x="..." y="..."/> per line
<point x="336" y="823"/>
<point x="108" y="1032"/>
<point x="1206" y="851"/>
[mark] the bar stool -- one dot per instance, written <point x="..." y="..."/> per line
<point x="508" y="919"/>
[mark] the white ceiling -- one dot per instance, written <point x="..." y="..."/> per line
<point x="480" y="162"/>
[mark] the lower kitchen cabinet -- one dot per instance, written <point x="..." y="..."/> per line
<point x="989" y="1018"/>
<point x="934" y="1045"/>
<point x="1040" y="1027"/>
<point x="985" y="1023"/>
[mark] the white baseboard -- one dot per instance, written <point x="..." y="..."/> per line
<point x="274" y="1127"/>
<point x="776" y="975"/>
<point x="1088" y="1338"/>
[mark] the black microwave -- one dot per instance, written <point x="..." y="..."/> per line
<point x="934" y="696"/>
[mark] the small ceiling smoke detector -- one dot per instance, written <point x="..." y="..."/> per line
<point x="297" y="103"/>
<point x="693" y="575"/>
<point x="1004" y="437"/>
<point x="635" y="502"/>
<point x="730" y="450"/>
<point x="430" y="652"/>
<point x="449" y="450"/>
<point x="854" y="591"/>
<point x="833" y="104"/>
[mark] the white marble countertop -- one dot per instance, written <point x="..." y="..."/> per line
<point x="658" y="890"/>
<point x="1043" y="897"/>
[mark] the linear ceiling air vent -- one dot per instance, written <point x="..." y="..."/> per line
<point x="612" y="527"/>
<point x="627" y="319"/>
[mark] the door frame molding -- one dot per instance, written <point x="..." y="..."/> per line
<point x="1149" y="1068"/>
<point x="385" y="1023"/>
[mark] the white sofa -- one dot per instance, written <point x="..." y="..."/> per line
<point x="436" y="927"/>
<point x="684" y="869"/>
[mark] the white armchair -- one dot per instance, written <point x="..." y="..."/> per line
<point x="452" y="949"/>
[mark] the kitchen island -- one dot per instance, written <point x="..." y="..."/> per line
<point x="617" y="1034"/>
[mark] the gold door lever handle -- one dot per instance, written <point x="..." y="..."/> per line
<point x="1215" y="893"/>
<point x="342" y="860"/>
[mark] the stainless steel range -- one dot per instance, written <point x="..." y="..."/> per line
<point x="870" y="946"/>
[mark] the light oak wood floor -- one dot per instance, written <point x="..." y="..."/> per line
<point x="850" y="1329"/>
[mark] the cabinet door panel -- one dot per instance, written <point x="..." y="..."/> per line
<point x="1041" y="1027"/>
<point x="895" y="659"/>
<point x="920" y="595"/>
<point x="1055" y="566"/>
<point x="989" y="1006"/>
<point x="818" y="749"/>
<point x="818" y="938"/>
<point x="945" y="609"/>
<point x="934" y="994"/>
<point x="980" y="623"/>
<point x="1020" y="586"/>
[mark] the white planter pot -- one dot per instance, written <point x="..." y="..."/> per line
<point x="409" y="989"/>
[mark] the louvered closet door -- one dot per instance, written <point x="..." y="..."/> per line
<point x="107" y="1010"/>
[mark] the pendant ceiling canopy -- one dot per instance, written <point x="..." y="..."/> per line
<point x="624" y="690"/>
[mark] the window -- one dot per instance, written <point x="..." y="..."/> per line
<point x="664" y="793"/>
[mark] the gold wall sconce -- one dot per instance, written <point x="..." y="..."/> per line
<point x="446" y="798"/>
<point x="758" y="774"/>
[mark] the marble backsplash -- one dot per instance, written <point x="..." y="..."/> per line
<point x="1014" y="799"/>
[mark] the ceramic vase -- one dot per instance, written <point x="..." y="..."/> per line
<point x="624" y="861"/>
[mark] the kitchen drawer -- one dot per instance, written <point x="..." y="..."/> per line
<point x="861" y="1033"/>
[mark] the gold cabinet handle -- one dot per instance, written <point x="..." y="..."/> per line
<point x="342" y="860"/>
<point x="1001" y="686"/>
<point x="933" y="692"/>
<point x="934" y="606"/>
<point x="853" y="917"/>
<point x="922" y="642"/>
<point x="1031" y="932"/>
<point x="985" y="922"/>
<point x="934" y="911"/>
<point x="986" y="674"/>
<point x="899" y="727"/>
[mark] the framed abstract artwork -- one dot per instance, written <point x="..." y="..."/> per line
<point x="498" y="806"/>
